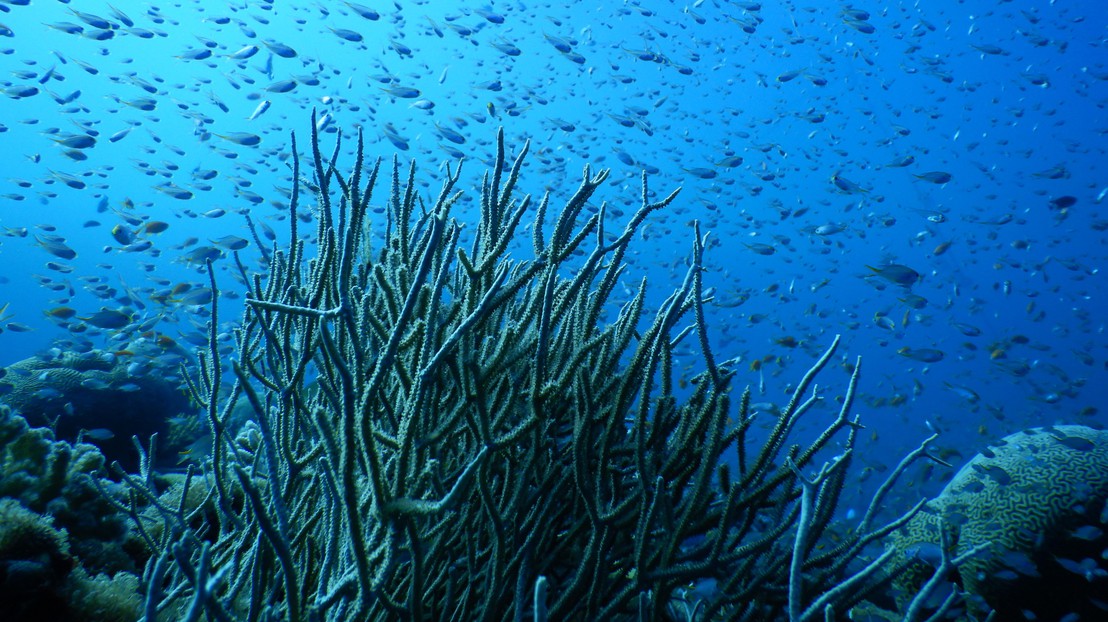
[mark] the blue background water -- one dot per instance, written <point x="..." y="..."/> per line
<point x="1009" y="98"/>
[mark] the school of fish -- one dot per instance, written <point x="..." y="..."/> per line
<point x="925" y="179"/>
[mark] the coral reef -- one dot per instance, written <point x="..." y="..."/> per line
<point x="41" y="580"/>
<point x="1037" y="500"/>
<point x="94" y="397"/>
<point x="65" y="552"/>
<point x="443" y="429"/>
<point x="66" y="482"/>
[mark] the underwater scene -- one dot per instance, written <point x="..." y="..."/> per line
<point x="628" y="310"/>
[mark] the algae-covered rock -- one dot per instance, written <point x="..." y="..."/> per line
<point x="66" y="552"/>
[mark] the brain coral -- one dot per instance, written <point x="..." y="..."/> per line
<point x="1039" y="497"/>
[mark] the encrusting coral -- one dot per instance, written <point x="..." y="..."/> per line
<point x="444" y="430"/>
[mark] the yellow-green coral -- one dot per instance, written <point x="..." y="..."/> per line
<point x="25" y="534"/>
<point x="104" y="598"/>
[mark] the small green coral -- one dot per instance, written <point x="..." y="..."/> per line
<point x="104" y="598"/>
<point x="25" y="534"/>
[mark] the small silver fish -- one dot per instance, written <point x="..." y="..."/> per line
<point x="260" y="110"/>
<point x="98" y="434"/>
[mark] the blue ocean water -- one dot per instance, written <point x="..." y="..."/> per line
<point x="925" y="179"/>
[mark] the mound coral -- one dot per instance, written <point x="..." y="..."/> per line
<point x="65" y="482"/>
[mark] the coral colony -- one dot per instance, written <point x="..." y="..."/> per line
<point x="423" y="421"/>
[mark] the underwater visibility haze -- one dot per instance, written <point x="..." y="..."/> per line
<point x="819" y="330"/>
